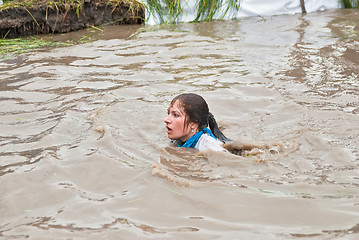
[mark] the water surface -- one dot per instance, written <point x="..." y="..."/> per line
<point x="84" y="152"/>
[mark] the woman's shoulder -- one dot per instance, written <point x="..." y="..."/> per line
<point x="206" y="142"/>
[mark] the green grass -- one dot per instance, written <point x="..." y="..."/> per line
<point x="350" y="3"/>
<point x="11" y="47"/>
<point x="169" y="11"/>
<point x="207" y="9"/>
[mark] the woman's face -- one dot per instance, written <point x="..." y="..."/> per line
<point x="177" y="129"/>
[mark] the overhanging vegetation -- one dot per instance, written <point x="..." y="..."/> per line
<point x="170" y="11"/>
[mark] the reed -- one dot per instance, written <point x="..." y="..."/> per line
<point x="13" y="47"/>
<point x="170" y="11"/>
<point x="166" y="11"/>
<point x="350" y="3"/>
<point x="208" y="9"/>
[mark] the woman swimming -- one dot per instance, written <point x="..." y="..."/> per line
<point x="187" y="121"/>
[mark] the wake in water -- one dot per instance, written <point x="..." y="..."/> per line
<point x="266" y="164"/>
<point x="187" y="167"/>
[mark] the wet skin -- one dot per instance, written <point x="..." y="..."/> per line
<point x="175" y="124"/>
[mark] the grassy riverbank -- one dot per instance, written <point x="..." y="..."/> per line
<point x="74" y="4"/>
<point x="33" y="17"/>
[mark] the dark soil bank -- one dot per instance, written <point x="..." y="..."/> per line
<point x="62" y="17"/>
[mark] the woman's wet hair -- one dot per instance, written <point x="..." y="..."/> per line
<point x="197" y="111"/>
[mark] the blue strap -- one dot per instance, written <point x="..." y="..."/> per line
<point x="192" y="141"/>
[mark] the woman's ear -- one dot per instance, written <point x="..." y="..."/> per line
<point x="194" y="126"/>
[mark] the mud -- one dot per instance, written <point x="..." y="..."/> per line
<point x="62" y="18"/>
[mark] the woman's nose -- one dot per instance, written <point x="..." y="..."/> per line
<point x="167" y="119"/>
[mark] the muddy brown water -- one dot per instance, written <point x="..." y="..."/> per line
<point x="84" y="152"/>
